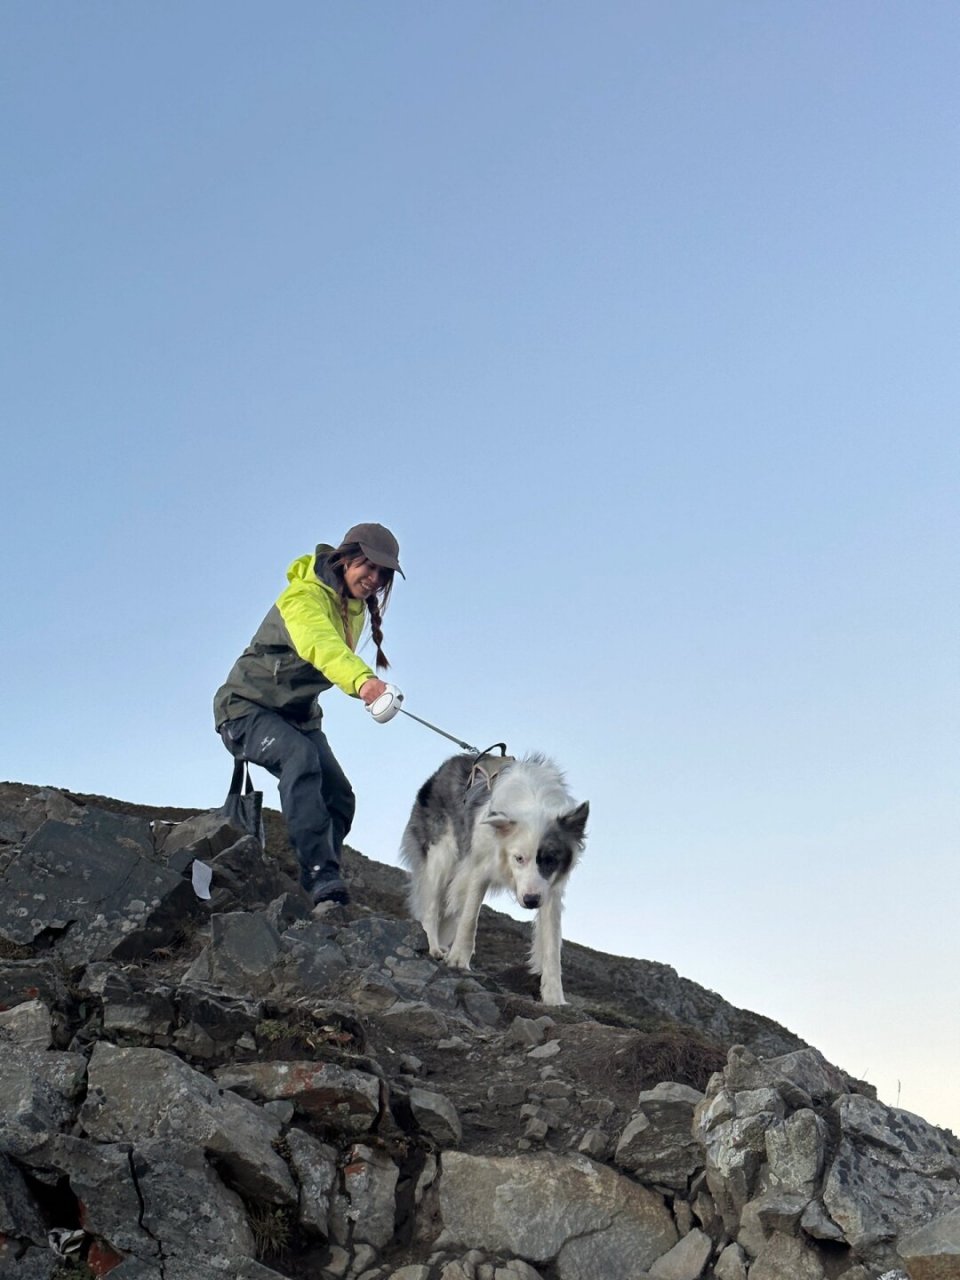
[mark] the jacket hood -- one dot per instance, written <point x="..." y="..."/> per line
<point x="314" y="568"/>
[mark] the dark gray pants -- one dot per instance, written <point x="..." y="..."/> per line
<point x="316" y="799"/>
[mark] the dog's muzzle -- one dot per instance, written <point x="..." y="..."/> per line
<point x="531" y="901"/>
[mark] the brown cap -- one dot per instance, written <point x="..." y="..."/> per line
<point x="377" y="543"/>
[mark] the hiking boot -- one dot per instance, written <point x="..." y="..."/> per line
<point x="333" y="890"/>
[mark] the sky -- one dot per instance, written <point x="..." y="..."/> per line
<point x="638" y="324"/>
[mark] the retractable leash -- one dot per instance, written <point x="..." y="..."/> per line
<point x="389" y="703"/>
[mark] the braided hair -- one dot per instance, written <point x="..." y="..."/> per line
<point x="376" y="603"/>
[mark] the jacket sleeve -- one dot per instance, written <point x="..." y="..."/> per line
<point x="316" y="632"/>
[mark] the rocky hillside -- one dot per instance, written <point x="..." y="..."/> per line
<point x="195" y="1089"/>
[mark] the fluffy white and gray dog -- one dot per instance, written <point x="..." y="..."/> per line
<point x="475" y="828"/>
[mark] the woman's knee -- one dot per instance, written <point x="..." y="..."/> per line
<point x="300" y="760"/>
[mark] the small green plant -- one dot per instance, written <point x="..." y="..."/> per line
<point x="72" y="1269"/>
<point x="282" y="1147"/>
<point x="272" y="1029"/>
<point x="271" y="1230"/>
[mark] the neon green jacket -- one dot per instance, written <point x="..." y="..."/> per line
<point x="300" y="649"/>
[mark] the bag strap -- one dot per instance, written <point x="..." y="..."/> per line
<point x="241" y="782"/>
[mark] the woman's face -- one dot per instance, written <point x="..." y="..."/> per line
<point x="362" y="578"/>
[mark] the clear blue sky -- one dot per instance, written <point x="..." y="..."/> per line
<point x="638" y="323"/>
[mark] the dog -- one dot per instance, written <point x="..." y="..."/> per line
<point x="490" y="824"/>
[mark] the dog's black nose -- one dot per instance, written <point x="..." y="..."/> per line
<point x="531" y="900"/>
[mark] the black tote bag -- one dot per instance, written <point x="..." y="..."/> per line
<point x="244" y="805"/>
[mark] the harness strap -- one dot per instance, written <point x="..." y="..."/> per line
<point x="486" y="767"/>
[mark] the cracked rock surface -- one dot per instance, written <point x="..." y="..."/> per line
<point x="233" y="1088"/>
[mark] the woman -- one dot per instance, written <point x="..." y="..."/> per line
<point x="267" y="710"/>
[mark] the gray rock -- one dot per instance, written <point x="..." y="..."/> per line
<point x="686" y="1260"/>
<point x="338" y="1262"/>
<point x="363" y="1256"/>
<point x="19" y="1213"/>
<point x="249" y="1269"/>
<point x="506" y="1094"/>
<point x="933" y="1252"/>
<point x="705" y="1212"/>
<point x="240" y="958"/>
<point x="892" y="1173"/>
<point x="312" y="962"/>
<point x="718" y="1107"/>
<point x="203" y="836"/>
<point x="457" y="1270"/>
<point x="683" y="1216"/>
<point x="195" y="1221"/>
<point x="437" y="1116"/>
<point x="27" y="1025"/>
<point x="770" y="1212"/>
<point x="30" y="1264"/>
<point x="315" y="1165"/>
<point x="23" y="980"/>
<point x="418" y="1018"/>
<point x="787" y="1258"/>
<point x="481" y="1008"/>
<point x="94" y="886"/>
<point x="136" y="1010"/>
<point x="146" y="1093"/>
<point x="527" y="1033"/>
<point x="286" y="910"/>
<point x="37" y="1096"/>
<point x="595" y="1144"/>
<point x="370" y="1184"/>
<point x="583" y="1216"/>
<point x="516" y="1269"/>
<point x="371" y="992"/>
<point x="658" y="1144"/>
<point x="800" y="1076"/>
<point x="543" y="1051"/>
<point x="374" y="940"/>
<point x="101" y="1176"/>
<point x="731" y="1265"/>
<point x="341" y="1100"/>
<point x="795" y="1152"/>
<point x="244" y="876"/>
<point x="734" y="1153"/>
<point x="818" y="1224"/>
<point x="755" y="1102"/>
<point x="212" y="1023"/>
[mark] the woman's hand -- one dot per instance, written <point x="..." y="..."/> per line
<point x="371" y="690"/>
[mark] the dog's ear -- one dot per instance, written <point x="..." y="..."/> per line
<point x="574" y="823"/>
<point x="501" y="824"/>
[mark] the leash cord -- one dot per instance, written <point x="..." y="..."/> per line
<point x="443" y="734"/>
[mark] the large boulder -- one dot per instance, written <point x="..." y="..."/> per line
<point x="38" y="1096"/>
<point x="583" y="1217"/>
<point x="93" y="888"/>
<point x="137" y="1094"/>
<point x="933" y="1252"/>
<point x="658" y="1145"/>
<point x="339" y="1099"/>
<point x="892" y="1173"/>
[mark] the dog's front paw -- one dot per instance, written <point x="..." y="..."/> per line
<point x="551" y="993"/>
<point x="459" y="959"/>
<point x="438" y="952"/>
